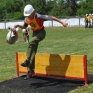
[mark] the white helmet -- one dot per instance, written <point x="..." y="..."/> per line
<point x="24" y="30"/>
<point x="28" y="10"/>
<point x="11" y="37"/>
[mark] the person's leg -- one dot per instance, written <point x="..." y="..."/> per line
<point x="27" y="40"/>
<point x="32" y="49"/>
<point x="87" y="23"/>
<point x="33" y="44"/>
<point x="92" y="22"/>
<point x="24" y="37"/>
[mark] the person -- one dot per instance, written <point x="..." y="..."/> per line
<point x="86" y="20"/>
<point x="26" y="34"/>
<point x="89" y="20"/>
<point x="92" y="19"/>
<point x="35" y="20"/>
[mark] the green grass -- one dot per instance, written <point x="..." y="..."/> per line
<point x="59" y="40"/>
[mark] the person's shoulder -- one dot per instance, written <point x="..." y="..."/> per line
<point x="37" y="15"/>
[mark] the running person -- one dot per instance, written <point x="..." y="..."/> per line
<point x="36" y="21"/>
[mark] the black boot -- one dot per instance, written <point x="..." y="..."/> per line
<point x="29" y="75"/>
<point x="26" y="63"/>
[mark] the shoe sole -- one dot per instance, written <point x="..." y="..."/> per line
<point x="24" y="65"/>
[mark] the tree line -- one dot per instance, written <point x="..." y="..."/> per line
<point x="13" y="9"/>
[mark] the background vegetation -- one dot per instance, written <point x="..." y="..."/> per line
<point x="13" y="9"/>
<point x="59" y="40"/>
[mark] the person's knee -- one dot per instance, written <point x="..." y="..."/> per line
<point x="32" y="44"/>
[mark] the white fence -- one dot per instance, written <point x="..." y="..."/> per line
<point x="71" y="22"/>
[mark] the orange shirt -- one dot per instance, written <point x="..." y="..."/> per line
<point x="35" y="23"/>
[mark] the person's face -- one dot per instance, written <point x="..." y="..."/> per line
<point x="32" y="15"/>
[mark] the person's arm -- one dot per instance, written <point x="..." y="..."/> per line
<point x="20" y="26"/>
<point x="63" y="23"/>
<point x="47" y="17"/>
<point x="24" y="26"/>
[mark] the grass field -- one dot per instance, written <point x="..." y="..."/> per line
<point x="58" y="40"/>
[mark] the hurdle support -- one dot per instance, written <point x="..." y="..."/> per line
<point x="58" y="65"/>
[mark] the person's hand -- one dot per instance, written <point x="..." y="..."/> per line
<point x="65" y="24"/>
<point x="15" y="26"/>
<point x="19" y="26"/>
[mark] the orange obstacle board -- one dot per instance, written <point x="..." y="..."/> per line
<point x="59" y="65"/>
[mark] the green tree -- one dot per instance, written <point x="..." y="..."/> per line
<point x="13" y="9"/>
<point x="58" y="7"/>
<point x="49" y="6"/>
<point x="39" y="5"/>
<point x="72" y="4"/>
<point x="9" y="8"/>
<point x="61" y="8"/>
<point x="85" y="7"/>
<point x="18" y="15"/>
<point x="82" y="8"/>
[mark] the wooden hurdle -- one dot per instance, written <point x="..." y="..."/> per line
<point x="58" y="65"/>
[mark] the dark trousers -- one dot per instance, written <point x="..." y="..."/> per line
<point x="33" y="45"/>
